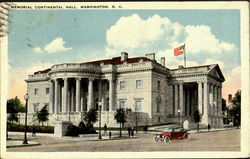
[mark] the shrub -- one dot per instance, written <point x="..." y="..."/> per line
<point x="90" y="129"/>
<point x="86" y="129"/>
<point x="21" y="128"/>
<point x="82" y="128"/>
<point x="72" y="130"/>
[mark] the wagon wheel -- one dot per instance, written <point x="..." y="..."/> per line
<point x="186" y="137"/>
<point x="157" y="138"/>
<point x="166" y="139"/>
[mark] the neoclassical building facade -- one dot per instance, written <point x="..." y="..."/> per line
<point x="153" y="93"/>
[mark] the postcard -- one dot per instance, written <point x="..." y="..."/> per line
<point x="124" y="79"/>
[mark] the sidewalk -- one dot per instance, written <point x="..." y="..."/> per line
<point x="82" y="137"/>
<point x="211" y="130"/>
<point x="19" y="143"/>
<point x="91" y="137"/>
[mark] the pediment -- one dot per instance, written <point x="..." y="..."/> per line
<point x="216" y="73"/>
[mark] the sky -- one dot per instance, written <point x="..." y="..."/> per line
<point x="39" y="39"/>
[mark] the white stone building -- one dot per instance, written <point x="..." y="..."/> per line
<point x="157" y="94"/>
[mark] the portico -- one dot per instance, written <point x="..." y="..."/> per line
<point x="198" y="91"/>
<point x="80" y="94"/>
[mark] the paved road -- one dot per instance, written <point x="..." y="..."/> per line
<point x="210" y="141"/>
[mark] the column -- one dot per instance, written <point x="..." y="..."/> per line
<point x="220" y="122"/>
<point x="65" y="95"/>
<point x="60" y="98"/>
<point x="100" y="92"/>
<point x="181" y="106"/>
<point x="205" y="114"/>
<point x="104" y="96"/>
<point x="200" y="97"/>
<point x="51" y="101"/>
<point x="78" y="93"/>
<point x="219" y="105"/>
<point x="71" y="101"/>
<point x="176" y="99"/>
<point x="216" y="105"/>
<point x="56" y="94"/>
<point x="111" y="94"/>
<point x="188" y="102"/>
<point x="211" y="95"/>
<point x="90" y="94"/>
<point x="215" y="100"/>
<point x="82" y="105"/>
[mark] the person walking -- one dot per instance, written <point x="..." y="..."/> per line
<point x="105" y="129"/>
<point x="208" y="127"/>
<point x="132" y="132"/>
<point x="129" y="131"/>
<point x="33" y="130"/>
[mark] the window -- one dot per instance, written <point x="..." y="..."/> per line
<point x="36" y="91"/>
<point x="158" y="105"/>
<point x="122" y="104"/>
<point x="159" y="85"/>
<point x="47" y="90"/>
<point x="122" y="84"/>
<point x="138" y="83"/>
<point x="138" y="106"/>
<point x="36" y="106"/>
<point x="107" y="104"/>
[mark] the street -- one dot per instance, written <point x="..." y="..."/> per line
<point x="226" y="140"/>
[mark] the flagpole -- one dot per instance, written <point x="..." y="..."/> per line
<point x="184" y="57"/>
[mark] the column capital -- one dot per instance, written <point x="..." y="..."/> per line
<point x="178" y="83"/>
<point x="215" y="85"/>
<point x="111" y="80"/>
<point x="65" y="79"/>
<point x="181" y="83"/>
<point x="78" y="78"/>
<point x="211" y="83"/>
<point x="200" y="82"/>
<point x="54" y="79"/>
<point x="91" y="79"/>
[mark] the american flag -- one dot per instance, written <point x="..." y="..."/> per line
<point x="179" y="50"/>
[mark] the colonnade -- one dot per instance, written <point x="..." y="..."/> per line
<point x="204" y="96"/>
<point x="209" y="101"/>
<point x="64" y="100"/>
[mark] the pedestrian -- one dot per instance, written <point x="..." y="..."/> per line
<point x="132" y="132"/>
<point x="105" y="128"/>
<point x="129" y="131"/>
<point x="33" y="130"/>
<point x="208" y="127"/>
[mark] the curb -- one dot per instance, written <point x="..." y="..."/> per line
<point x="96" y="138"/>
<point x="30" y="143"/>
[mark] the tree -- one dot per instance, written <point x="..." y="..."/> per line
<point x="235" y="111"/>
<point x="90" y="117"/>
<point x="120" y="118"/>
<point x="42" y="115"/>
<point x="197" y="118"/>
<point x="14" y="106"/>
<point x="224" y="105"/>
